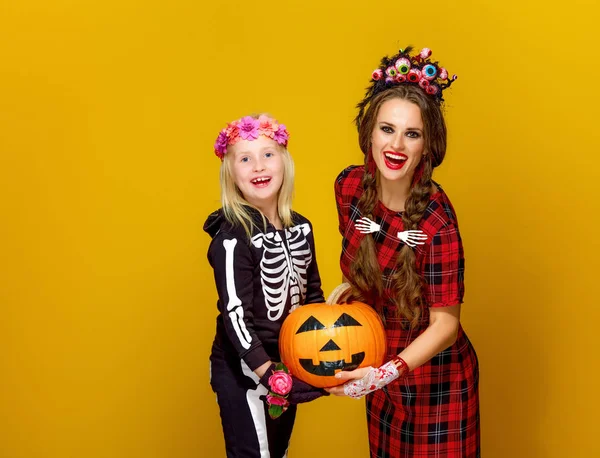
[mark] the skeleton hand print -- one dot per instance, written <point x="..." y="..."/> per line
<point x="366" y="226"/>
<point x="413" y="238"/>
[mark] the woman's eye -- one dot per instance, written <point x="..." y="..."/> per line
<point x="413" y="134"/>
<point x="387" y="129"/>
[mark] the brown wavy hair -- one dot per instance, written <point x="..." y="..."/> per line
<point x="365" y="274"/>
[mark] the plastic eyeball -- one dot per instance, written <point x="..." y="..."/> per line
<point x="423" y="83"/>
<point x="454" y="77"/>
<point x="425" y="53"/>
<point x="414" y="75"/>
<point x="400" y="79"/>
<point x="389" y="80"/>
<point x="432" y="89"/>
<point x="429" y="72"/>
<point x="391" y="72"/>
<point x="377" y="74"/>
<point x="443" y="73"/>
<point x="403" y="65"/>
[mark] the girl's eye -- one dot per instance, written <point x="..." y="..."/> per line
<point x="387" y="129"/>
<point x="245" y="159"/>
<point x="268" y="154"/>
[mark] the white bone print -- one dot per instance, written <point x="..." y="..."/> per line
<point x="234" y="304"/>
<point x="284" y="268"/>
<point x="301" y="257"/>
<point x="366" y="226"/>
<point x="413" y="238"/>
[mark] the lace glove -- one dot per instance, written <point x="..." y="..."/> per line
<point x="376" y="378"/>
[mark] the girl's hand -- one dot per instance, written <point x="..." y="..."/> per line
<point x="356" y="374"/>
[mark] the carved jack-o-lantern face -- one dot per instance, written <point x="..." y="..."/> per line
<point x="318" y="340"/>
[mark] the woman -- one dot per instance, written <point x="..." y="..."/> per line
<point x="402" y="252"/>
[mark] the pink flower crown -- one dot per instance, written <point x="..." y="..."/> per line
<point x="418" y="69"/>
<point x="250" y="128"/>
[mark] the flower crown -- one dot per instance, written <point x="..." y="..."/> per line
<point x="250" y="128"/>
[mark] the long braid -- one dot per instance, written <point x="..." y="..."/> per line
<point x="408" y="283"/>
<point x="365" y="272"/>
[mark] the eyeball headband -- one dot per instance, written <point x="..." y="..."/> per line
<point x="404" y="68"/>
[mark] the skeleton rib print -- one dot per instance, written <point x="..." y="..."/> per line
<point x="284" y="267"/>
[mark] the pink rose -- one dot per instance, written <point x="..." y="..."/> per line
<point x="280" y="382"/>
<point x="276" y="400"/>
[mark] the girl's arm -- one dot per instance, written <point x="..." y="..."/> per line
<point x="233" y="265"/>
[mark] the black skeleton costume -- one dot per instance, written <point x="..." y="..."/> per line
<point x="259" y="281"/>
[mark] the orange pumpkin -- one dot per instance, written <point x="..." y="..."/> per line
<point x="318" y="340"/>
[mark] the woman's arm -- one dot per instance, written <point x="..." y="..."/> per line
<point x="444" y="275"/>
<point x="439" y="335"/>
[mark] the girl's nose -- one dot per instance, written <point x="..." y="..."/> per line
<point x="259" y="165"/>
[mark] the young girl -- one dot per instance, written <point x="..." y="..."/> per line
<point x="402" y="252"/>
<point x="264" y="262"/>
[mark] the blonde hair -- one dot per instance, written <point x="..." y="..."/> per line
<point x="235" y="206"/>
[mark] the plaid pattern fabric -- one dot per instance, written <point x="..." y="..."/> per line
<point x="434" y="412"/>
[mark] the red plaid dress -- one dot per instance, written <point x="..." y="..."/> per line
<point x="434" y="412"/>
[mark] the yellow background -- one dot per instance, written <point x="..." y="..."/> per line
<point x="108" y="113"/>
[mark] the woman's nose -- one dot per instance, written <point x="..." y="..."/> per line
<point x="398" y="142"/>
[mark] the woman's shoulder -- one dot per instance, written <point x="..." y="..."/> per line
<point x="440" y="211"/>
<point x="351" y="172"/>
<point x="349" y="180"/>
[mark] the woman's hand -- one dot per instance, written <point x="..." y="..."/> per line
<point x="372" y="378"/>
<point x="356" y="374"/>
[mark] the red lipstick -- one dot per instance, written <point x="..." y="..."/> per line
<point x="394" y="160"/>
